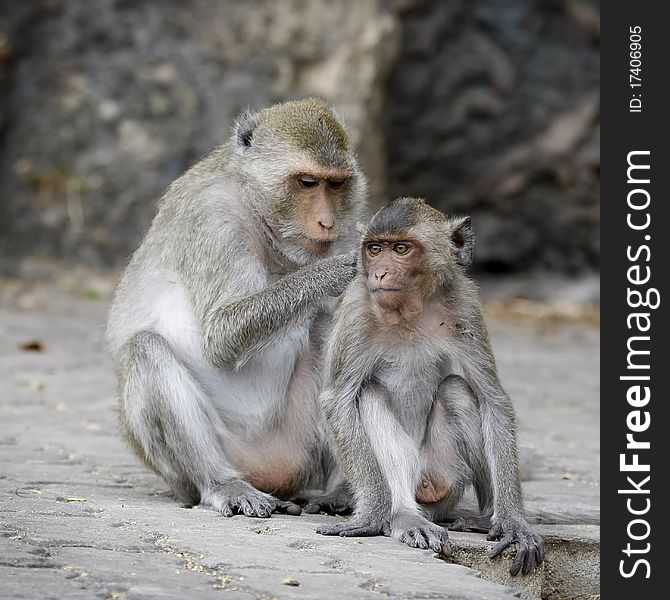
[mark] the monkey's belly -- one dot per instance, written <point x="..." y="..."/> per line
<point x="278" y="480"/>
<point x="274" y="467"/>
<point x="431" y="489"/>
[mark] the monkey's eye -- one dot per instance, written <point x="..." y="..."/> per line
<point x="374" y="249"/>
<point x="307" y="181"/>
<point x="401" y="248"/>
<point x="336" y="183"/>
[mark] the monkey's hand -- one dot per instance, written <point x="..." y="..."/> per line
<point x="338" y="502"/>
<point x="358" y="526"/>
<point x="418" y="532"/>
<point x="529" y="545"/>
<point x="338" y="271"/>
<point x="237" y="497"/>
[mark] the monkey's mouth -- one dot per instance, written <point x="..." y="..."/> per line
<point x="318" y="246"/>
<point x="380" y="289"/>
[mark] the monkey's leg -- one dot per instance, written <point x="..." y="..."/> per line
<point x="400" y="461"/>
<point x="171" y="424"/>
<point x="453" y="457"/>
<point x="498" y="434"/>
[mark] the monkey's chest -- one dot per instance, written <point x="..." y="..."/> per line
<point x="261" y="389"/>
<point x="411" y="381"/>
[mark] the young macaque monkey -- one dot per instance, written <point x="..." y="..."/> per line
<point x="411" y="395"/>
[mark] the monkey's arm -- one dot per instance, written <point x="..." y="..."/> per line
<point x="236" y="329"/>
<point x="346" y="371"/>
<point x="500" y="444"/>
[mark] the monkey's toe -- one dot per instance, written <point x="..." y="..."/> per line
<point x="328" y="530"/>
<point x="425" y="535"/>
<point x="237" y="497"/>
<point x="339" y="502"/>
<point x="227" y="509"/>
<point x="530" y="554"/>
<point x="529" y="546"/>
<point x="415" y="538"/>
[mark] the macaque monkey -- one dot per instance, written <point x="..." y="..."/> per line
<point x="215" y="327"/>
<point x="411" y="394"/>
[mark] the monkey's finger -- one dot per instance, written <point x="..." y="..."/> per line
<point x="418" y="539"/>
<point x="504" y="543"/>
<point x="262" y="511"/>
<point x="352" y="257"/>
<point x="328" y="530"/>
<point x="519" y="559"/>
<point x="245" y="508"/>
<point x="439" y="543"/>
<point x="446" y="544"/>
<point x="539" y="548"/>
<point x="288" y="508"/>
<point x="530" y="560"/>
<point x="226" y="509"/>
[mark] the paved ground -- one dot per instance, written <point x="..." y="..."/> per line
<point x="81" y="518"/>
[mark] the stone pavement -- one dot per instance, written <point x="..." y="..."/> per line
<point x="81" y="518"/>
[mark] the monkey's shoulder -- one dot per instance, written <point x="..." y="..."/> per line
<point x="441" y="323"/>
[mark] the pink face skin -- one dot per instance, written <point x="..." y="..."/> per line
<point x="395" y="269"/>
<point x="317" y="196"/>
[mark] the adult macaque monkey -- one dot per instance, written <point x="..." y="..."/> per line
<point x="214" y="327"/>
<point x="412" y="397"/>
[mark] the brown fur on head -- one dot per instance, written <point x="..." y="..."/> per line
<point x="299" y="157"/>
<point x="409" y="250"/>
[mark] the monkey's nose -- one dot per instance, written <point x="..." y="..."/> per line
<point x="380" y="277"/>
<point x="328" y="225"/>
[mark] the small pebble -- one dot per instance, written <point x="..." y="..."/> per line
<point x="290" y="581"/>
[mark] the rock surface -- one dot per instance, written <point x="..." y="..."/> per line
<point x="488" y="107"/>
<point x="492" y="110"/>
<point x="81" y="518"/>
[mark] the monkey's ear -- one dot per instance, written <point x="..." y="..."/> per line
<point x="462" y="238"/>
<point x="244" y="129"/>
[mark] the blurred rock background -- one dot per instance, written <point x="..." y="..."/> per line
<point x="485" y="107"/>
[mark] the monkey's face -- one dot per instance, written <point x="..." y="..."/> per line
<point x="396" y="272"/>
<point x="301" y="172"/>
<point x="318" y="199"/>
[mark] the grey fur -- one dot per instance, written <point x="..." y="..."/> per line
<point x="400" y="398"/>
<point x="216" y="326"/>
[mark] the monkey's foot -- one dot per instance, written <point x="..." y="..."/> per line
<point x="338" y="502"/>
<point x="529" y="545"/>
<point x="357" y="527"/>
<point x="237" y="497"/>
<point x="475" y="525"/>
<point x="419" y="532"/>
